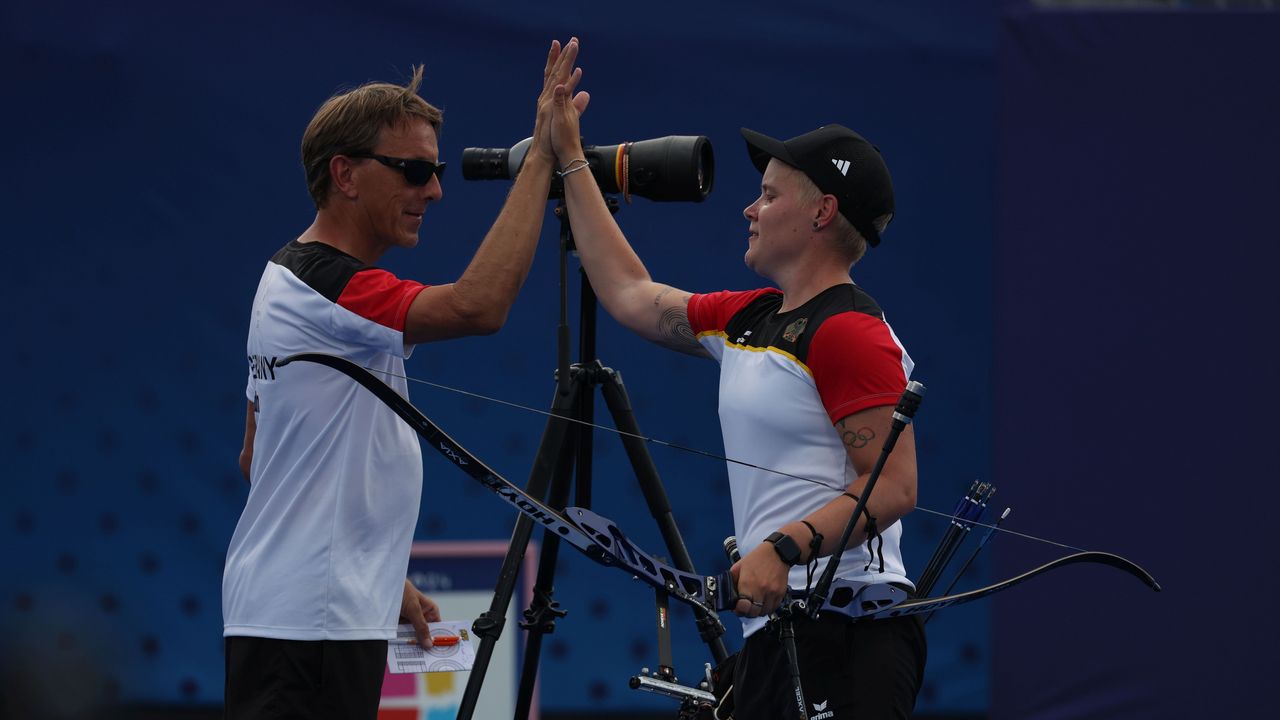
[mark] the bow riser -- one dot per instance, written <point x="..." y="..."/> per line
<point x="700" y="589"/>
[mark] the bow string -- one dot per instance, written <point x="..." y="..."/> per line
<point x="704" y="453"/>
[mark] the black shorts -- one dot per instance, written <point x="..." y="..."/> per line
<point x="868" y="670"/>
<point x="303" y="679"/>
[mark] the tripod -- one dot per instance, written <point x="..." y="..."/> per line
<point x="566" y="448"/>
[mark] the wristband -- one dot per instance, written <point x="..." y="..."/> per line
<point x="573" y="167"/>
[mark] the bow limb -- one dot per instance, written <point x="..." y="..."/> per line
<point x="927" y="605"/>
<point x="429" y="431"/>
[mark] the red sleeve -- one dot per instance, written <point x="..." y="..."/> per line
<point x="856" y="364"/>
<point x="712" y="311"/>
<point x="377" y="295"/>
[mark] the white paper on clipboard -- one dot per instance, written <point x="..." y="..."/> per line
<point x="405" y="657"/>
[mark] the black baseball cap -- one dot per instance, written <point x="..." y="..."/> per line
<point x="841" y="163"/>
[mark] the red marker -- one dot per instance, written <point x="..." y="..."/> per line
<point x="444" y="640"/>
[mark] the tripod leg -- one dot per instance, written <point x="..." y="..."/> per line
<point x="488" y="627"/>
<point x="540" y="618"/>
<point x="619" y="404"/>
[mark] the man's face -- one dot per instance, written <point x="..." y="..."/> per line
<point x="391" y="207"/>
<point x="779" y="221"/>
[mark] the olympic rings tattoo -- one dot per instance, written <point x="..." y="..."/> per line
<point x="856" y="439"/>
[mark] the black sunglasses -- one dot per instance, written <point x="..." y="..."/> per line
<point x="416" y="172"/>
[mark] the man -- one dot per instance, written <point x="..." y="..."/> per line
<point x="315" y="574"/>
<point x="810" y="373"/>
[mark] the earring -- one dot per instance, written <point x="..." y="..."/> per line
<point x="815" y="224"/>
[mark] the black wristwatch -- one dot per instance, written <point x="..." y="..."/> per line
<point x="786" y="548"/>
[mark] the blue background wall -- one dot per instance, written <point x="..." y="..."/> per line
<point x="152" y="169"/>
<point x="1135" y="375"/>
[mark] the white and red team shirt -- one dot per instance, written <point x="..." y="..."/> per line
<point x="785" y="380"/>
<point x="322" y="547"/>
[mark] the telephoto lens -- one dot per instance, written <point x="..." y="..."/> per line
<point x="494" y="163"/>
<point x="676" y="168"/>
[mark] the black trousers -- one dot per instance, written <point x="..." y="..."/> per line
<point x="303" y="679"/>
<point x="868" y="670"/>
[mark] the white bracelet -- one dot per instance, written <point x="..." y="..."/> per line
<point x="572" y="168"/>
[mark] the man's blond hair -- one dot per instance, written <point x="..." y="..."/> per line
<point x="349" y="123"/>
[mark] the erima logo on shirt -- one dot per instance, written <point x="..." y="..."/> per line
<point x="821" y="712"/>
<point x="841" y="165"/>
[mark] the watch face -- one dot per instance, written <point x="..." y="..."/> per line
<point x="786" y="547"/>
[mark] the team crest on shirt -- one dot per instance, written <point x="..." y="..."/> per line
<point x="792" y="333"/>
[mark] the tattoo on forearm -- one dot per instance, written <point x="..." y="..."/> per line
<point x="856" y="438"/>
<point x="662" y="292"/>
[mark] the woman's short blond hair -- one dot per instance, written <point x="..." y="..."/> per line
<point x="851" y="243"/>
